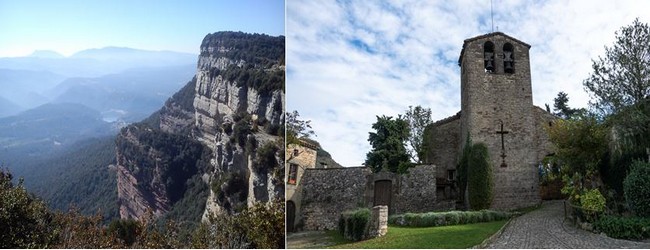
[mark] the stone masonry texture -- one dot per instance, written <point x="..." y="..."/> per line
<point x="326" y="193"/>
<point x="489" y="99"/>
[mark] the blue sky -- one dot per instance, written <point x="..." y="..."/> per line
<point x="349" y="61"/>
<point x="70" y="26"/>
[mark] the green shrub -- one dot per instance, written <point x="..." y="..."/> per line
<point x="488" y="215"/>
<point x="593" y="203"/>
<point x="479" y="177"/>
<point x="624" y="228"/>
<point x="23" y="218"/>
<point x="434" y="219"/>
<point x="354" y="224"/>
<point x="473" y="217"/>
<point x="392" y="220"/>
<point x="463" y="166"/>
<point x="125" y="229"/>
<point x="410" y="218"/>
<point x="637" y="188"/>
<point x="452" y="218"/>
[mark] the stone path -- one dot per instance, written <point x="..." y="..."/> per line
<point x="546" y="228"/>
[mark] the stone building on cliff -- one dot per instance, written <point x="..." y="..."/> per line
<point x="496" y="109"/>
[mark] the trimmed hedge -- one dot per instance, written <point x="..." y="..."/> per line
<point x="479" y="178"/>
<point x="637" y="188"/>
<point x="633" y="228"/>
<point x="354" y="225"/>
<point x="436" y="219"/>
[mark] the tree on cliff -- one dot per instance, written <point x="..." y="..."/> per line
<point x="388" y="145"/>
<point x="418" y="118"/>
<point x="622" y="77"/>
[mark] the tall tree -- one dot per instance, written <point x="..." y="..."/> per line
<point x="296" y="128"/>
<point x="388" y="145"/>
<point x="561" y="107"/>
<point x="418" y="118"/>
<point x="622" y="77"/>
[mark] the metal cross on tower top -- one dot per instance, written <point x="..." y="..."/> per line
<point x="503" y="148"/>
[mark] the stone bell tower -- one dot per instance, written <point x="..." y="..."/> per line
<point x="496" y="109"/>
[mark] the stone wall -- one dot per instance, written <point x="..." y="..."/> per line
<point x="445" y="142"/>
<point x="543" y="120"/>
<point x="328" y="192"/>
<point x="418" y="190"/>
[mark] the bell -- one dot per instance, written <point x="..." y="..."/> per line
<point x="507" y="66"/>
<point x="489" y="65"/>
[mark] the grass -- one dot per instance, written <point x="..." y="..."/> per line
<point x="458" y="236"/>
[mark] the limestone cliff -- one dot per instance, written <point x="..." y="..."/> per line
<point x="222" y="129"/>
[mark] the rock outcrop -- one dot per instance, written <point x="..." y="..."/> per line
<point x="225" y="125"/>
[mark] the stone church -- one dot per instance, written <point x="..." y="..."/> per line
<point x="496" y="109"/>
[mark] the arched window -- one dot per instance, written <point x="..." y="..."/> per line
<point x="508" y="58"/>
<point x="488" y="56"/>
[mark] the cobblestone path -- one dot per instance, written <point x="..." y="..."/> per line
<point x="546" y="228"/>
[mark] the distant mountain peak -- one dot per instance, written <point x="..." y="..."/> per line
<point x="45" y="54"/>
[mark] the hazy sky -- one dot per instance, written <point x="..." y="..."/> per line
<point x="349" y="61"/>
<point x="70" y="26"/>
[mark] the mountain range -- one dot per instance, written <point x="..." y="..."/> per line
<point x="213" y="147"/>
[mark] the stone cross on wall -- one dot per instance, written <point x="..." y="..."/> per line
<point x="503" y="148"/>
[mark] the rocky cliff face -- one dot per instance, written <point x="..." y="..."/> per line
<point x="225" y="127"/>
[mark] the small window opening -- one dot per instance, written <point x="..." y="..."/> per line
<point x="508" y="58"/>
<point x="451" y="175"/>
<point x="293" y="172"/>
<point x="488" y="56"/>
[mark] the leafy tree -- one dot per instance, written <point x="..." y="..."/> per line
<point x="388" y="145"/>
<point x="561" y="107"/>
<point x="418" y="118"/>
<point x="24" y="220"/>
<point x="622" y="77"/>
<point x="631" y="131"/>
<point x="297" y="128"/>
<point x="74" y="230"/>
<point x="580" y="145"/>
<point x="125" y="230"/>
<point x="479" y="177"/>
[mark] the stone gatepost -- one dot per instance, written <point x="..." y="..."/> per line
<point x="378" y="222"/>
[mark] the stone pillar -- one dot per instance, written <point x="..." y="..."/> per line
<point x="378" y="222"/>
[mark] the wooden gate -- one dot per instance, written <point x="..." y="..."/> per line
<point x="383" y="193"/>
<point x="291" y="216"/>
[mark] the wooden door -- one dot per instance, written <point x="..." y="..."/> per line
<point x="383" y="192"/>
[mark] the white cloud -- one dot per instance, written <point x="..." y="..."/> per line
<point x="349" y="61"/>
